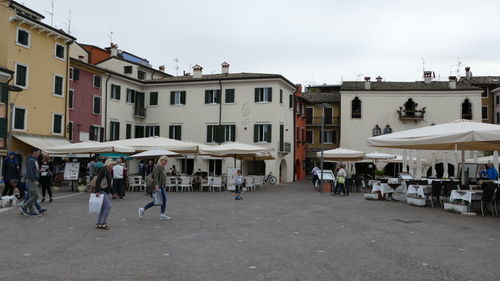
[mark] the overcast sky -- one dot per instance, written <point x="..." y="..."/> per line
<point x="308" y="42"/>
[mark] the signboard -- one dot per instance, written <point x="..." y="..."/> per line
<point x="71" y="171"/>
<point x="231" y="177"/>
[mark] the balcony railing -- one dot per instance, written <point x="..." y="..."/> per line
<point x="411" y="115"/>
<point x="317" y="121"/>
<point x="285" y="147"/>
<point x="140" y="112"/>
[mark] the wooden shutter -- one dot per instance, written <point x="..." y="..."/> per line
<point x="217" y="96"/>
<point x="256" y="94"/>
<point x="233" y="132"/>
<point x="282" y="136"/>
<point x="270" y="94"/>
<point x="91" y="133"/>
<point x="178" y="132"/>
<point x="76" y="74"/>
<point x="5" y="93"/>
<point x="172" y="97"/>
<point x="3" y="128"/>
<point x="256" y="133"/>
<point x="209" y="133"/>
<point x="118" y="92"/>
<point x="183" y="97"/>
<point x="101" y="130"/>
<point x="290" y="101"/>
<point x="268" y="136"/>
<point x="207" y="96"/>
<point x="171" y="132"/>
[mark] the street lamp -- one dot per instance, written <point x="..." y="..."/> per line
<point x="323" y="106"/>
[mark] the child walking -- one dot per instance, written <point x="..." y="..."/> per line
<point x="239" y="181"/>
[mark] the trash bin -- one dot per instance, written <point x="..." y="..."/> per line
<point x="327" y="187"/>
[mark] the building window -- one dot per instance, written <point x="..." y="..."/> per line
<point x="21" y="75"/>
<point x="96" y="107"/>
<point x="281" y="96"/>
<point x="114" y="132"/>
<point x="128" y="131"/>
<point x="71" y="71"/>
<point x="178" y="97"/>
<point x="376" y="131"/>
<point x="70" y="130"/>
<point x="484" y="112"/>
<point x="212" y="133"/>
<point x="484" y="94"/>
<point x="115" y="92"/>
<point x="466" y="110"/>
<point x="263" y="94"/>
<point x="94" y="133"/>
<point x="328" y="115"/>
<point x="290" y="101"/>
<point x="130" y="96"/>
<point x="229" y="133"/>
<point x="127" y="69"/>
<point x="212" y="96"/>
<point x="153" y="131"/>
<point x="262" y="133"/>
<point x="497" y="99"/>
<point x="356" y="108"/>
<point x="153" y="98"/>
<point x="23" y="37"/>
<point x="139" y="131"/>
<point x="303" y="134"/>
<point x="19" y="118"/>
<point x="58" y="85"/>
<point x="498" y="117"/>
<point x="309" y="137"/>
<point x="229" y="96"/>
<point x="215" y="167"/>
<point x="60" y="51"/>
<point x="387" y="130"/>
<point x="174" y="132"/>
<point x="71" y="99"/>
<point x="330" y="137"/>
<point x="309" y="115"/>
<point x="141" y="75"/>
<point x="75" y="74"/>
<point x="57" y="124"/>
<point x="97" y="81"/>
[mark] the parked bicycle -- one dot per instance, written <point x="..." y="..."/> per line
<point x="270" y="178"/>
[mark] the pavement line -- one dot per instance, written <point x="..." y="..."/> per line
<point x="55" y="198"/>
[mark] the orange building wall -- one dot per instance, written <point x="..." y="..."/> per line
<point x="300" y="141"/>
<point x="96" y="54"/>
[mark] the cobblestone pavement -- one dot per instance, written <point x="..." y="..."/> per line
<point x="285" y="232"/>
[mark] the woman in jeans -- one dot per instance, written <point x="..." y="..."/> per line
<point x="103" y="187"/>
<point x="159" y="182"/>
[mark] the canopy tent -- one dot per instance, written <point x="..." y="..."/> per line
<point x="41" y="142"/>
<point x="150" y="143"/>
<point x="154" y="153"/>
<point x="341" y="154"/>
<point x="236" y="150"/>
<point x="89" y="147"/>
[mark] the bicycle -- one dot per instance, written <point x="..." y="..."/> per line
<point x="270" y="179"/>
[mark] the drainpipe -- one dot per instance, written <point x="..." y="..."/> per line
<point x="66" y="100"/>
<point x="220" y="112"/>
<point x="10" y="109"/>
<point x="294" y="140"/>
<point x="106" y="108"/>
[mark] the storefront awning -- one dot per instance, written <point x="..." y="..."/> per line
<point x="41" y="142"/>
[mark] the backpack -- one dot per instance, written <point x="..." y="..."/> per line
<point x="149" y="184"/>
<point x="91" y="185"/>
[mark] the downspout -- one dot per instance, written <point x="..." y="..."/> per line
<point x="66" y="100"/>
<point x="9" y="113"/>
<point x="294" y="140"/>
<point x="220" y="112"/>
<point x="106" y="108"/>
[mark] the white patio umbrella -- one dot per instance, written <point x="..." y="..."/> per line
<point x="379" y="156"/>
<point x="154" y="153"/>
<point x="234" y="149"/>
<point x="342" y="154"/>
<point x="89" y="147"/>
<point x="150" y="143"/>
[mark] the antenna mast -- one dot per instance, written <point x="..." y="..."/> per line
<point x="176" y="66"/>
<point x="111" y="37"/>
<point x="51" y="13"/>
<point x="68" y="23"/>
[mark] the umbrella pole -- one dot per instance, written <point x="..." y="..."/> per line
<point x="462" y="174"/>
<point x="185" y="164"/>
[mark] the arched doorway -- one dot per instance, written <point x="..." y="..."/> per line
<point x="393" y="169"/>
<point x="440" y="170"/>
<point x="283" y="171"/>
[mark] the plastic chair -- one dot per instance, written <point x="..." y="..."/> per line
<point x="171" y="183"/>
<point x="205" y="183"/>
<point x="186" y="183"/>
<point x="134" y="183"/>
<point x="217" y="183"/>
<point x="249" y="183"/>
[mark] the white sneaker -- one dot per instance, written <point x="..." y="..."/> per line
<point x="141" y="212"/>
<point x="164" y="217"/>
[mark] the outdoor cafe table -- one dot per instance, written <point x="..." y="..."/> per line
<point x="420" y="190"/>
<point x="464" y="195"/>
<point x="384" y="188"/>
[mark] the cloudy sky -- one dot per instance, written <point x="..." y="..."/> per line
<point x="309" y="42"/>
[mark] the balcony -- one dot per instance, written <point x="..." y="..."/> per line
<point x="285" y="148"/>
<point x="317" y="121"/>
<point x="411" y="115"/>
<point x="140" y="112"/>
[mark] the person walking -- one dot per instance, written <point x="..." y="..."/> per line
<point x="103" y="188"/>
<point x="32" y="177"/>
<point x="315" y="172"/>
<point x="159" y="182"/>
<point x="46" y="179"/>
<point x="10" y="171"/>
<point x="118" y="185"/>
<point x="149" y="168"/>
<point x="22" y="187"/>
<point x="238" y="181"/>
<point x="341" y="177"/>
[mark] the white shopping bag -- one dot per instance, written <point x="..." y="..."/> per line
<point x="95" y="203"/>
<point x="157" y="199"/>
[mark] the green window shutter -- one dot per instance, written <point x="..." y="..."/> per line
<point x="170" y="132"/>
<point x="76" y="74"/>
<point x="118" y="92"/>
<point x="183" y="97"/>
<point x="233" y="132"/>
<point x="290" y="101"/>
<point x="255" y="133"/>
<point x="256" y="94"/>
<point x="229" y="95"/>
<point x="178" y="133"/>
<point x="3" y="127"/>
<point x="172" y="97"/>
<point x="268" y="136"/>
<point x="218" y="96"/>
<point x="207" y="96"/>
<point x="270" y="94"/>
<point x="5" y="93"/>
<point x="209" y="133"/>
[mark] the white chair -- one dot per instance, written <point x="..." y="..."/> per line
<point x="171" y="183"/>
<point x="205" y="183"/>
<point x="217" y="183"/>
<point x="134" y="183"/>
<point x="249" y="183"/>
<point x="258" y="181"/>
<point x="186" y="183"/>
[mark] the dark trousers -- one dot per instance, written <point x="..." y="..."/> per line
<point x="237" y="188"/>
<point x="342" y="186"/>
<point x="315" y="178"/>
<point x="164" y="201"/>
<point x="8" y="189"/>
<point x="46" y="188"/>
<point x="118" y="186"/>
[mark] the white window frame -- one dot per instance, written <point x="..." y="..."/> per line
<point x="174" y="137"/>
<point x="227" y="137"/>
<point x="55" y="51"/>
<point x="25" y="125"/>
<point x="261" y="137"/>
<point x="93" y="105"/>
<point x="29" y="37"/>
<point x="54" y="86"/>
<point x="153" y="128"/>
<point x="127" y="98"/>
<point x="264" y="95"/>
<point x="71" y="106"/>
<point x="27" y="75"/>
<point x="62" y="124"/>
<point x="487" y="112"/>
<point x="177" y="98"/>
<point x="93" y="81"/>
<point x="325" y="134"/>
<point x="71" y="73"/>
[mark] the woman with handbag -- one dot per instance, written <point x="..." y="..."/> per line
<point x="159" y="182"/>
<point x="103" y="187"/>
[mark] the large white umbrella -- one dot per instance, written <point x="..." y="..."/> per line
<point x="154" y="153"/>
<point x="234" y="149"/>
<point x="342" y="154"/>
<point x="89" y="147"/>
<point x="379" y="156"/>
<point x="143" y="144"/>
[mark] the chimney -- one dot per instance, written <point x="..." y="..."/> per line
<point x="468" y="74"/>
<point x="80" y="57"/>
<point x="225" y="68"/>
<point x="427" y="77"/>
<point x="379" y="79"/>
<point x="453" y="82"/>
<point x="367" y="83"/>
<point x="197" y="71"/>
<point x="114" y="50"/>
<point x="161" y="68"/>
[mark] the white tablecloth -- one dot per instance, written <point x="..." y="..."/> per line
<point x="465" y="195"/>
<point x="393" y="181"/>
<point x="382" y="187"/>
<point x="417" y="189"/>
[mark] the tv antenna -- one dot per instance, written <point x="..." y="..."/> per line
<point x="110" y="37"/>
<point x="51" y="13"/>
<point x="176" y="66"/>
<point x="68" y="23"/>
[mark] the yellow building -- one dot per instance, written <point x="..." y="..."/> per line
<point x="39" y="56"/>
<point x="322" y="108"/>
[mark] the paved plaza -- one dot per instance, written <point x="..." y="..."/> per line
<point x="284" y="232"/>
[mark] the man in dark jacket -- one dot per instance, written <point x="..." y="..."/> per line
<point x="32" y="177"/>
<point x="10" y="172"/>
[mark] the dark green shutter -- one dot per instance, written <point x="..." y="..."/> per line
<point x="76" y="74"/>
<point x="256" y="94"/>
<point x="118" y="92"/>
<point x="170" y="132"/>
<point x="270" y="94"/>
<point x="233" y="132"/>
<point x="207" y="95"/>
<point x="3" y="127"/>
<point x="178" y="133"/>
<point x="256" y="133"/>
<point x="220" y="134"/>
<point x="282" y="136"/>
<point x="183" y="97"/>
<point x="172" y="97"/>
<point x="218" y="96"/>
<point x="209" y="134"/>
<point x="268" y="137"/>
<point x="290" y="101"/>
<point x="5" y="93"/>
